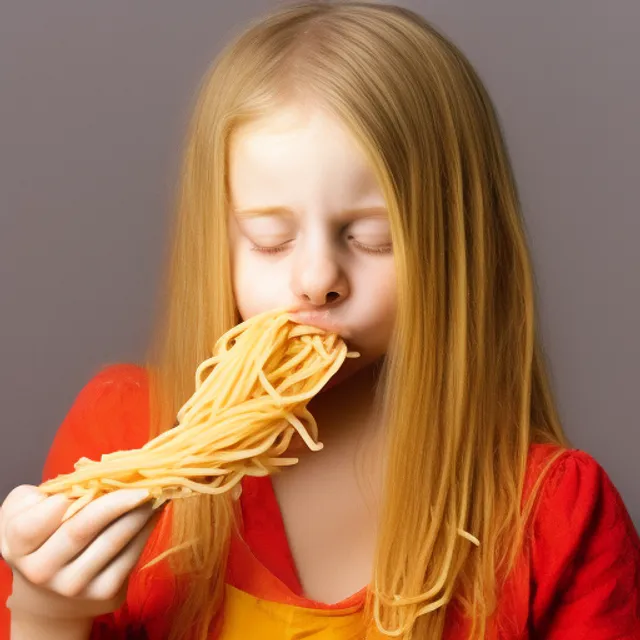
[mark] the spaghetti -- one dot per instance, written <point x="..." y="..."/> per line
<point x="250" y="400"/>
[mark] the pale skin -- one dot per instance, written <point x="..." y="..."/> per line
<point x="66" y="574"/>
<point x="326" y="248"/>
<point x="330" y="255"/>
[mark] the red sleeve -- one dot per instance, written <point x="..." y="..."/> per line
<point x="110" y="413"/>
<point x="585" y="557"/>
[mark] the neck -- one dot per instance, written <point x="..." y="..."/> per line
<point x="351" y="431"/>
<point x="345" y="412"/>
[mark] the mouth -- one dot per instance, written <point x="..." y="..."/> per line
<point x="319" y="319"/>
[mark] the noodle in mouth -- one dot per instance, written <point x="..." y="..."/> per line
<point x="250" y="400"/>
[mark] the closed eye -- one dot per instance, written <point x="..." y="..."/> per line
<point x="371" y="235"/>
<point x="270" y="250"/>
<point x="376" y="249"/>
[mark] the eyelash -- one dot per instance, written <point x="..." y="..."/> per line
<point x="362" y="247"/>
<point x="385" y="248"/>
<point x="271" y="250"/>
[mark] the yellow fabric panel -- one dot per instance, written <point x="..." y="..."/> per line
<point x="247" y="617"/>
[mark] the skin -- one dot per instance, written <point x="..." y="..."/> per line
<point x="329" y="255"/>
<point x="325" y="248"/>
<point x="72" y="571"/>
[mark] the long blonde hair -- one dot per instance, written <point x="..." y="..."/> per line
<point x="464" y="387"/>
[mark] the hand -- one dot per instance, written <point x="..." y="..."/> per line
<point x="79" y="568"/>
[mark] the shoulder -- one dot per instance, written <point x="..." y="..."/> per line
<point x="585" y="550"/>
<point x="126" y="381"/>
<point x="109" y="413"/>
<point x="113" y="391"/>
<point x="122" y="375"/>
<point x="576" y="485"/>
<point x="578" y="502"/>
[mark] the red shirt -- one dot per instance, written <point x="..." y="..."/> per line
<point x="579" y="578"/>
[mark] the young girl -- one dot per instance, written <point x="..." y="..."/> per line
<point x="343" y="158"/>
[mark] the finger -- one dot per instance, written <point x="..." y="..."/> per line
<point x="108" y="583"/>
<point x="25" y="530"/>
<point x="69" y="538"/>
<point x="72" y="578"/>
<point x="19" y="499"/>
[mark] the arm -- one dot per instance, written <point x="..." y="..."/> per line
<point x="109" y="413"/>
<point x="585" y="557"/>
<point x="25" y="627"/>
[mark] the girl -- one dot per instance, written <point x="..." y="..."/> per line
<point x="346" y="159"/>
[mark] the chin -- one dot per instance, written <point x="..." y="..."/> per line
<point x="353" y="366"/>
<point x="339" y="377"/>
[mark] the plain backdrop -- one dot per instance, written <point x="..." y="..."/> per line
<point x="94" y="98"/>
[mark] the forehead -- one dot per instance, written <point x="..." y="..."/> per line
<point x="299" y="158"/>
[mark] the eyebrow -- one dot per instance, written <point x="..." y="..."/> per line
<point x="266" y="211"/>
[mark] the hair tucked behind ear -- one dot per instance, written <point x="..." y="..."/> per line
<point x="465" y="389"/>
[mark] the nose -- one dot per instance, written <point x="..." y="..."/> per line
<point x="318" y="278"/>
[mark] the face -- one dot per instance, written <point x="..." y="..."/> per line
<point x="309" y="230"/>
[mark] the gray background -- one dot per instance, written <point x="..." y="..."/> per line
<point x="94" y="98"/>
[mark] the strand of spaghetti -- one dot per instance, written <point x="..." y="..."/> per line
<point x="237" y="422"/>
<point x="217" y="437"/>
<point x="247" y="453"/>
<point x="229" y="464"/>
<point x="269" y="388"/>
<point x="302" y="330"/>
<point x="233" y="380"/>
<point x="286" y="436"/>
<point x="182" y="433"/>
<point x="272" y="336"/>
<point x="307" y="394"/>
<point x="305" y="414"/>
<point x="202" y="389"/>
<point x="299" y="427"/>
<point x="232" y="376"/>
<point x="196" y="487"/>
<point x="283" y="462"/>
<point x="311" y="374"/>
<point x="293" y="362"/>
<point x="184" y="471"/>
<point x="223" y="456"/>
<point x="259" y="466"/>
<point x="220" y="457"/>
<point x="81" y="502"/>
<point x="319" y="347"/>
<point x="294" y="368"/>
<point x="266" y="385"/>
<point x="294" y="379"/>
<point x="113" y="470"/>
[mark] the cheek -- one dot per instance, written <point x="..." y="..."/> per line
<point x="257" y="286"/>
<point x="380" y="283"/>
<point x="376" y="298"/>
<point x="386" y="312"/>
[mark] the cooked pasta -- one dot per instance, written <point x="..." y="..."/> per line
<point x="250" y="400"/>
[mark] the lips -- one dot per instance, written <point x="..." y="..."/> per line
<point x="319" y="319"/>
